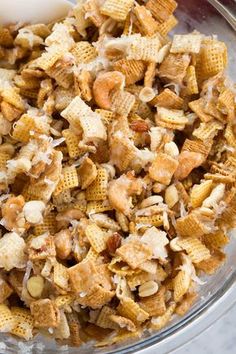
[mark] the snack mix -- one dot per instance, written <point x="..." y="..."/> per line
<point x="117" y="171"/>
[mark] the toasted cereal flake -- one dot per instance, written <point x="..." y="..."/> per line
<point x="186" y="43"/>
<point x="170" y="117"/>
<point x="96" y="237"/>
<point x="134" y="253"/>
<point x="160" y="322"/>
<point x="48" y="225"/>
<point x="199" y="193"/>
<point x="97" y="190"/>
<point x="165" y="27"/>
<point x="132" y="69"/>
<point x="211" y="265"/>
<point x="145" y="22"/>
<point x="190" y="80"/>
<point x="45" y="313"/>
<point x="60" y="276"/>
<point x="82" y="276"/>
<point x="130" y="309"/>
<point x="83" y="52"/>
<point x="146" y="48"/>
<point x="104" y="320"/>
<point x="163" y="168"/>
<point x="122" y="102"/>
<point x="7" y="320"/>
<point x="191" y="225"/>
<point x="168" y="99"/>
<point x="194" y="248"/>
<point x="24" y="323"/>
<point x="69" y="179"/>
<point x="174" y="67"/>
<point x="97" y="297"/>
<point x="209" y="130"/>
<point x="157" y="241"/>
<point x="117" y="9"/>
<point x="161" y="9"/>
<point x="154" y="305"/>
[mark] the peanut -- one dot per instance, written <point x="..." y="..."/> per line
<point x="147" y="289"/>
<point x="35" y="286"/>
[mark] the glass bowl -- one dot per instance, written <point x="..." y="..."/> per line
<point x="218" y="294"/>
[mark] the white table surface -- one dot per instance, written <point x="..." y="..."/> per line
<point x="218" y="339"/>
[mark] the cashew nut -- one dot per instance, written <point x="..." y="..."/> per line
<point x="104" y="85"/>
<point x="33" y="211"/>
<point x="11" y="212"/>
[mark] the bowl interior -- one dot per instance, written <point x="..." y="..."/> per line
<point x="202" y="16"/>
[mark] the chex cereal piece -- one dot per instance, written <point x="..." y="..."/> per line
<point x="45" y="313"/>
<point x="197" y="107"/>
<point x="82" y="276"/>
<point x="60" y="276"/>
<point x="107" y="116"/>
<point x="3" y="160"/>
<point x="181" y="284"/>
<point x="165" y="27"/>
<point x="63" y="300"/>
<point x="117" y="9"/>
<point x="97" y="297"/>
<point x="163" y="168"/>
<point x="26" y="126"/>
<point x="61" y="72"/>
<point x="98" y="189"/>
<point x="96" y="237"/>
<point x="146" y="48"/>
<point x="130" y="309"/>
<point x="216" y="239"/>
<point x="174" y="67"/>
<point x="207" y="131"/>
<point x="6" y="39"/>
<point x="155" y="304"/>
<point x="83" y="52"/>
<point x="98" y="206"/>
<point x="211" y="265"/>
<point x="104" y="320"/>
<point x="92" y="8"/>
<point x="161" y="9"/>
<point x="194" y="248"/>
<point x="72" y="143"/>
<point x="197" y="146"/>
<point x="144" y="21"/>
<point x="122" y="102"/>
<point x="134" y="253"/>
<point x="5" y="290"/>
<point x="226" y="103"/>
<point x="63" y="97"/>
<point x="199" y="193"/>
<point x="123" y="322"/>
<point x="12" y="96"/>
<point x="154" y="220"/>
<point x="191" y="225"/>
<point x="169" y="118"/>
<point x="87" y="173"/>
<point x="132" y="69"/>
<point x="160" y="322"/>
<point x="10" y="112"/>
<point x="41" y="247"/>
<point x="190" y="81"/>
<point x="69" y="179"/>
<point x="7" y="320"/>
<point x="92" y="255"/>
<point x="49" y="58"/>
<point x="24" y="323"/>
<point x="80" y="115"/>
<point x="48" y="225"/>
<point x="186" y="43"/>
<point x="168" y="99"/>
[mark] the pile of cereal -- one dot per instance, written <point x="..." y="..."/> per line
<point x="117" y="171"/>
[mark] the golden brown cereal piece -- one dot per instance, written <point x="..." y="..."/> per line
<point x="190" y="225"/>
<point x="96" y="297"/>
<point x="45" y="313"/>
<point x="61" y="72"/>
<point x="7" y="320"/>
<point x="161" y="9"/>
<point x="123" y="322"/>
<point x="190" y="81"/>
<point x="217" y="239"/>
<point x="211" y="265"/>
<point x="122" y="152"/>
<point x="74" y="326"/>
<point x="83" y="52"/>
<point x="9" y="111"/>
<point x="169" y="118"/>
<point x="163" y="168"/>
<point x="194" y="248"/>
<point x="72" y="142"/>
<point x="48" y="225"/>
<point x="98" y="206"/>
<point x="24" y="323"/>
<point x="144" y="21"/>
<point x="3" y="160"/>
<point x="92" y="9"/>
<point x="168" y="99"/>
<point x="87" y="173"/>
<point x="183" y="194"/>
<point x="197" y="146"/>
<point x="186" y="303"/>
<point x="181" y="284"/>
<point x="63" y="97"/>
<point x="145" y="48"/>
<point x="82" y="276"/>
<point x="63" y="300"/>
<point x="226" y="103"/>
<point x="26" y="125"/>
<point x="199" y="193"/>
<point x="122" y="336"/>
<point x="85" y="81"/>
<point x="5" y="290"/>
<point x="49" y="58"/>
<point x="154" y="305"/>
<point x="186" y="43"/>
<point x="96" y="237"/>
<point x="134" y="253"/>
<point x="116" y="9"/>
<point x="161" y="321"/>
<point x="165" y="27"/>
<point x="6" y="39"/>
<point x="11" y="95"/>
<point x="60" y="276"/>
<point x="130" y="309"/>
<point x="104" y="320"/>
<point x="188" y="160"/>
<point x="154" y="220"/>
<point x="122" y="102"/>
<point x="97" y="190"/>
<point x="208" y="131"/>
<point x="174" y="67"/>
<point x="107" y="116"/>
<point x="41" y="247"/>
<point x="69" y="180"/>
<point x="197" y="107"/>
<point x="133" y="70"/>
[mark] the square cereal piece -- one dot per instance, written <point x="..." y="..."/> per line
<point x="72" y="143"/>
<point x="98" y="189"/>
<point x="83" y="276"/>
<point x="144" y="21"/>
<point x="6" y="39"/>
<point x="145" y="48"/>
<point x="190" y="81"/>
<point x="210" y="265"/>
<point x="122" y="102"/>
<point x="61" y="276"/>
<point x="195" y="249"/>
<point x="96" y="237"/>
<point x="41" y="247"/>
<point x="50" y="57"/>
<point x="168" y="99"/>
<point x="163" y="168"/>
<point x="132" y="69"/>
<point x="24" y="323"/>
<point x="10" y="112"/>
<point x="4" y="157"/>
<point x="161" y="9"/>
<point x="7" y="320"/>
<point x="117" y="9"/>
<point x="165" y="27"/>
<point x="186" y="303"/>
<point x="48" y="225"/>
<point x="134" y="253"/>
<point x="155" y="304"/>
<point x="103" y="319"/>
<point x="130" y="309"/>
<point x="11" y="95"/>
<point x="97" y="297"/>
<point x="159" y="322"/>
<point x="107" y="116"/>
<point x="5" y="290"/>
<point x="92" y="10"/>
<point x="181" y="284"/>
<point x="69" y="179"/>
<point x="170" y="118"/>
<point x="98" y="206"/>
<point x="83" y="52"/>
<point x="174" y="67"/>
<point x="190" y="225"/>
<point x="154" y="220"/>
<point x="186" y="43"/>
<point x="45" y="313"/>
<point x="197" y="107"/>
